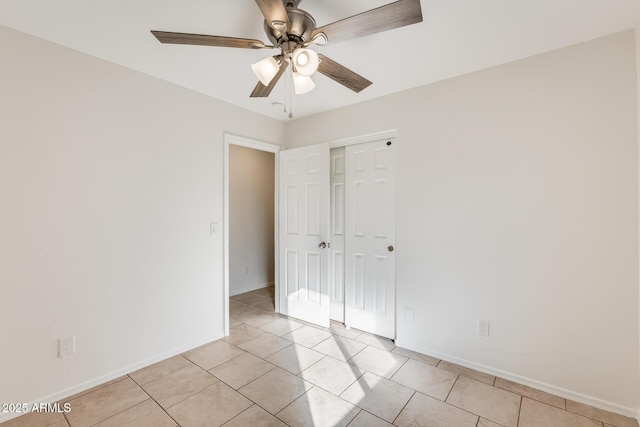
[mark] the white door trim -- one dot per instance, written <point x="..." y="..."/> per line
<point x="372" y="137"/>
<point x="230" y="139"/>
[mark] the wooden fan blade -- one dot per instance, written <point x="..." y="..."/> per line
<point x="342" y="74"/>
<point x="388" y="17"/>
<point x="262" y="91"/>
<point x="275" y="14"/>
<point x="204" y="40"/>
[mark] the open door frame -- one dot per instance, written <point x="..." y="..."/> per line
<point x="230" y="139"/>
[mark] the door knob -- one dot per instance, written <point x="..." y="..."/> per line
<point x="323" y="245"/>
<point x="390" y="248"/>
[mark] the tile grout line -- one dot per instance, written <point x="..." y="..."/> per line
<point x="300" y="373"/>
<point x="309" y="367"/>
<point x="403" y="407"/>
<point x="124" y="377"/>
<point x="571" y="412"/>
<point x="291" y="403"/>
<point x="354" y="418"/>
<point x="257" y="378"/>
<point x="66" y="419"/>
<point x="159" y="405"/>
<point x="93" y="389"/>
<point x="364" y="371"/>
<point x="452" y="387"/>
<point x="519" y="409"/>
<point x="274" y="368"/>
<point x="126" y="409"/>
<point x="398" y="370"/>
<point x="457" y="407"/>
<point x="189" y="397"/>
<point x="366" y="345"/>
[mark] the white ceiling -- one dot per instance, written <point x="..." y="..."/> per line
<point x="456" y="37"/>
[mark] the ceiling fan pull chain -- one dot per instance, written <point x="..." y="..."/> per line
<point x="291" y="90"/>
<point x="289" y="86"/>
<point x="284" y="93"/>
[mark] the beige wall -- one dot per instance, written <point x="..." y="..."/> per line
<point x="251" y="218"/>
<point x="637" y="33"/>
<point x="108" y="182"/>
<point x="517" y="203"/>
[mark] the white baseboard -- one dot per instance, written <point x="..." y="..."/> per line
<point x="58" y="396"/>
<point x="250" y="288"/>
<point x="549" y="388"/>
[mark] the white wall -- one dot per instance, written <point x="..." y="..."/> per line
<point x="251" y="218"/>
<point x="637" y="33"/>
<point x="108" y="182"/>
<point x="517" y="203"/>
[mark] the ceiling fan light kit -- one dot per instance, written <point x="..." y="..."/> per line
<point x="302" y="84"/>
<point x="266" y="69"/>
<point x="293" y="30"/>
<point x="306" y="61"/>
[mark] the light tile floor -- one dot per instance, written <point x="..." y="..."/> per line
<point x="275" y="371"/>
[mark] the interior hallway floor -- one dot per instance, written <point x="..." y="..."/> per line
<point x="276" y="371"/>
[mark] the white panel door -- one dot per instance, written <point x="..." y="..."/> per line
<point x="370" y="239"/>
<point x="303" y="184"/>
<point x="336" y="252"/>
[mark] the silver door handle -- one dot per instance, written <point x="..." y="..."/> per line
<point x="323" y="245"/>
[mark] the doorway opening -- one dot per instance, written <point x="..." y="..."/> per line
<point x="249" y="220"/>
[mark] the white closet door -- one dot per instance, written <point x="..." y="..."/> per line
<point x="336" y="252"/>
<point x="303" y="184"/>
<point x="370" y="238"/>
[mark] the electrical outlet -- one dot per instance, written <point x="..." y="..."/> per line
<point x="245" y="270"/>
<point x="66" y="346"/>
<point x="408" y="314"/>
<point x="483" y="328"/>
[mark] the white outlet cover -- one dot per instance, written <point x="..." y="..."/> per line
<point x="66" y="346"/>
<point x="483" y="328"/>
<point x="408" y="314"/>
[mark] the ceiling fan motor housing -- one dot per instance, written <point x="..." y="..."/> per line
<point x="291" y="3"/>
<point x="299" y="32"/>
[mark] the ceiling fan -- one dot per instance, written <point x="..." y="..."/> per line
<point x="293" y="30"/>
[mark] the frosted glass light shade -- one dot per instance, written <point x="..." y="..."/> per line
<point x="306" y="61"/>
<point x="266" y="70"/>
<point x="302" y="84"/>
